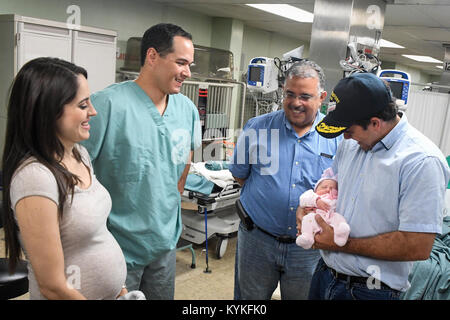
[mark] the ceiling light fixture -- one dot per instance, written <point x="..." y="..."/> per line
<point x="422" y="58"/>
<point x="388" y="44"/>
<point x="286" y="11"/>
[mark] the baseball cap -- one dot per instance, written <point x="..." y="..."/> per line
<point x="354" y="98"/>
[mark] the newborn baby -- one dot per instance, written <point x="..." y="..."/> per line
<point x="323" y="198"/>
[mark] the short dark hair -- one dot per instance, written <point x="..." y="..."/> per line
<point x="39" y="92"/>
<point x="387" y="114"/>
<point x="160" y="37"/>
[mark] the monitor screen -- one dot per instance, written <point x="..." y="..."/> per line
<point x="255" y="74"/>
<point x="396" y="88"/>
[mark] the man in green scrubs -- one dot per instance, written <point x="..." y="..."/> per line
<point x="141" y="145"/>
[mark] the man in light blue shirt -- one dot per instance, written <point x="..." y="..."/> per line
<point x="277" y="157"/>
<point x="141" y="145"/>
<point x="392" y="181"/>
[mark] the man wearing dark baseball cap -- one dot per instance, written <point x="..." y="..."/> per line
<point x="392" y="182"/>
<point x="354" y="99"/>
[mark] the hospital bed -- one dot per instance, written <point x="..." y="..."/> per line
<point x="210" y="211"/>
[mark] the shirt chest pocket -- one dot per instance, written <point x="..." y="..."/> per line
<point x="180" y="145"/>
<point x="324" y="160"/>
<point x="313" y="169"/>
<point x="131" y="163"/>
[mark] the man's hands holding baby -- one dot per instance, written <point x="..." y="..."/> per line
<point x="323" y="240"/>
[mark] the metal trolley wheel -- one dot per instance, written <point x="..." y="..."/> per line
<point x="221" y="246"/>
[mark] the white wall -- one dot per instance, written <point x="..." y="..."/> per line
<point x="416" y="75"/>
<point x="261" y="43"/>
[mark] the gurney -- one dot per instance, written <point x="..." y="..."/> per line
<point x="210" y="193"/>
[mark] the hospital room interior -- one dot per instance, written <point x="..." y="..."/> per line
<point x="241" y="51"/>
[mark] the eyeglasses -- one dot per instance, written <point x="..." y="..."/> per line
<point x="303" y="97"/>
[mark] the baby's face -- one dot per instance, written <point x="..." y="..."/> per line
<point x="326" y="186"/>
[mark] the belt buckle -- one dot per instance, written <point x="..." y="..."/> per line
<point x="334" y="273"/>
<point x="284" y="239"/>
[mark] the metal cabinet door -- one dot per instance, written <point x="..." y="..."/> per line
<point x="37" y="40"/>
<point x="97" y="54"/>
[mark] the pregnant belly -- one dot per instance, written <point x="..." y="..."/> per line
<point x="98" y="272"/>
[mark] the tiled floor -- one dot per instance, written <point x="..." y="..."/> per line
<point x="196" y="284"/>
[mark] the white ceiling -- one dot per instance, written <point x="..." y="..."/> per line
<point x="421" y="26"/>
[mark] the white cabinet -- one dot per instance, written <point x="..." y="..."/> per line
<point x="37" y="40"/>
<point x="97" y="54"/>
<point x="23" y="39"/>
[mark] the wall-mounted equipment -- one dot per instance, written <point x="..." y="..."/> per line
<point x="399" y="81"/>
<point x="262" y="75"/>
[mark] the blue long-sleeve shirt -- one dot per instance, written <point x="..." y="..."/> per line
<point x="278" y="166"/>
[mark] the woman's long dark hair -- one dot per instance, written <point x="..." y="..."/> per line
<point x="38" y="95"/>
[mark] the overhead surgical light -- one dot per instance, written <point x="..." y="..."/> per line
<point x="285" y="10"/>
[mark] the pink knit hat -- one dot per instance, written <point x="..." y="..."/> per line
<point x="328" y="174"/>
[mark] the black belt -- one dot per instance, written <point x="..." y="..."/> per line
<point x="282" y="239"/>
<point x="353" y="279"/>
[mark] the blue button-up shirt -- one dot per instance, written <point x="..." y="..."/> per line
<point x="398" y="185"/>
<point x="278" y="166"/>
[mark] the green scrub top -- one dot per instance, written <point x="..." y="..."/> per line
<point x="139" y="156"/>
